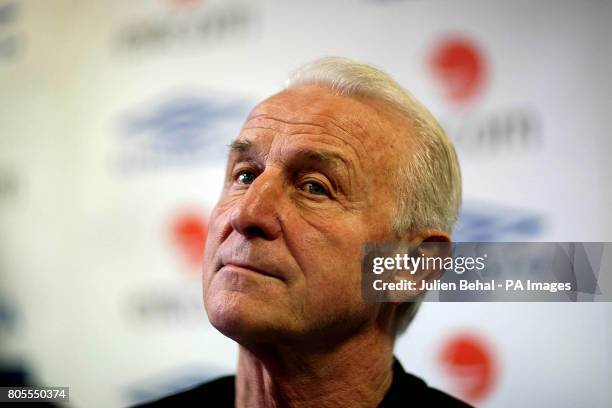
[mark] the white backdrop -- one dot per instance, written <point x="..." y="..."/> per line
<point x="113" y="121"/>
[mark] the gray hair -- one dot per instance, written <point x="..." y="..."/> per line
<point x="429" y="182"/>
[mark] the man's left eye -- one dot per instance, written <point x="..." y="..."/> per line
<point x="315" y="188"/>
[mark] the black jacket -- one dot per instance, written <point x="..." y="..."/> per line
<point x="406" y="391"/>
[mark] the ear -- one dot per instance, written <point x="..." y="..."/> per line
<point x="426" y="235"/>
<point x="426" y="243"/>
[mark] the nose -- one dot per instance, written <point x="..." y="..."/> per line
<point x="256" y="212"/>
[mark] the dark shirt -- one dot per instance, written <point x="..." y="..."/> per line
<point x="406" y="391"/>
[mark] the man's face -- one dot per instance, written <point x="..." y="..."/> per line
<point x="309" y="180"/>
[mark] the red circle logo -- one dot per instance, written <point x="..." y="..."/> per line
<point x="459" y="67"/>
<point x="189" y="233"/>
<point x="468" y="363"/>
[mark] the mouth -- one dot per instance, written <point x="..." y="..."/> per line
<point x="244" y="267"/>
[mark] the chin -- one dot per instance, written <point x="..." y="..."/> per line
<point x="244" y="320"/>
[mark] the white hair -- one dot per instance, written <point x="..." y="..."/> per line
<point x="429" y="181"/>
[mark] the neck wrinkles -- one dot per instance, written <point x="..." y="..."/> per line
<point x="356" y="373"/>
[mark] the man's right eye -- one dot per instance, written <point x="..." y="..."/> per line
<point x="246" y="177"/>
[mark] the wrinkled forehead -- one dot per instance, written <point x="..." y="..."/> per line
<point x="373" y="129"/>
<point x="310" y="99"/>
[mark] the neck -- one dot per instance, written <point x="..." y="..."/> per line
<point x="356" y="373"/>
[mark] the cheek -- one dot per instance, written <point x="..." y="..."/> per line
<point x="330" y="245"/>
<point x="331" y="259"/>
<point x="218" y="229"/>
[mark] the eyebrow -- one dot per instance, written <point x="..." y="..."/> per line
<point x="328" y="157"/>
<point x="240" y="145"/>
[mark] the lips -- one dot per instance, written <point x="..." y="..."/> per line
<point x="251" y="267"/>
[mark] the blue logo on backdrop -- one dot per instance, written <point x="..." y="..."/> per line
<point x="480" y="223"/>
<point x="180" y="131"/>
<point x="8" y="316"/>
<point x="12" y="40"/>
<point x="183" y="125"/>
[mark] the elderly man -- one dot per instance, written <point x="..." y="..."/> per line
<point x="341" y="157"/>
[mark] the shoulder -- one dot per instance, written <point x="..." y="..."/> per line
<point x="218" y="393"/>
<point x="409" y="389"/>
